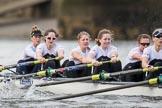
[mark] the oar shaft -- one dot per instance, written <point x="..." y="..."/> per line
<point x="70" y="68"/>
<point x="63" y="82"/>
<point x="27" y="75"/>
<point x="35" y="62"/>
<point x="10" y="66"/>
<point x="102" y="90"/>
<point x="126" y="72"/>
<point x="77" y="67"/>
<point x="25" y="64"/>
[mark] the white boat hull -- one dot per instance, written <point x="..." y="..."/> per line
<point x="80" y="87"/>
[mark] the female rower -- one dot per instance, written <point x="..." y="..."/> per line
<point x="50" y="49"/>
<point x="152" y="56"/>
<point x="104" y="51"/>
<point x="29" y="52"/>
<point x="135" y="58"/>
<point x="78" y="56"/>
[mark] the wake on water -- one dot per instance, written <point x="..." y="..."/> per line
<point x="11" y="95"/>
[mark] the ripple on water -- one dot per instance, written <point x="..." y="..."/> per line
<point x="13" y="97"/>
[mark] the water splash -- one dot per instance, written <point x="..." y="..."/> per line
<point x="9" y="90"/>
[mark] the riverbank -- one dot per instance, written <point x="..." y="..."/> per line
<point x="22" y="29"/>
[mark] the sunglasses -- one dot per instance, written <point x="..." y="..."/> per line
<point x="145" y="44"/>
<point x="50" y="38"/>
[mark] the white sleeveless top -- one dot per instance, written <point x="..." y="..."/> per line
<point x="54" y="51"/>
<point x="83" y="54"/>
<point x="29" y="52"/>
<point x="130" y="54"/>
<point x="152" y="54"/>
<point x="98" y="51"/>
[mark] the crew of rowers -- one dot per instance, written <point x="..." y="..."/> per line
<point x="142" y="56"/>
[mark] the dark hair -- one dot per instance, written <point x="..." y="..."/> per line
<point x="51" y="30"/>
<point x="140" y="36"/>
<point x="35" y="31"/>
<point x="100" y="35"/>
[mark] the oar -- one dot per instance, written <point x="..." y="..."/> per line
<point x="77" y="67"/>
<point x="151" y="81"/>
<point x="53" y="71"/>
<point x="25" y="64"/>
<point x="101" y="76"/>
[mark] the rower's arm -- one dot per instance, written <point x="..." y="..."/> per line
<point x="91" y="59"/>
<point x="137" y="56"/>
<point x="60" y="54"/>
<point x="39" y="56"/>
<point x="77" y="56"/>
<point x="145" y="62"/>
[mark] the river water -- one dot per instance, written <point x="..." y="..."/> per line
<point x="10" y="53"/>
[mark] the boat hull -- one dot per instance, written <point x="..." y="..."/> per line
<point x="80" y="87"/>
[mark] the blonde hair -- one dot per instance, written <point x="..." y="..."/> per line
<point x="35" y="27"/>
<point x="82" y="33"/>
<point x="34" y="30"/>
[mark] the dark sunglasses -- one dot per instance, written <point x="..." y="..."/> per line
<point x="50" y="38"/>
<point x="145" y="44"/>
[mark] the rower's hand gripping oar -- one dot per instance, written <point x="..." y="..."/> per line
<point x="101" y="76"/>
<point x="25" y="64"/>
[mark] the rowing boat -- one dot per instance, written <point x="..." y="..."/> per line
<point x="86" y="86"/>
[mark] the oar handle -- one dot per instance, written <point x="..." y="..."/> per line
<point x="56" y="58"/>
<point x="1" y="68"/>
